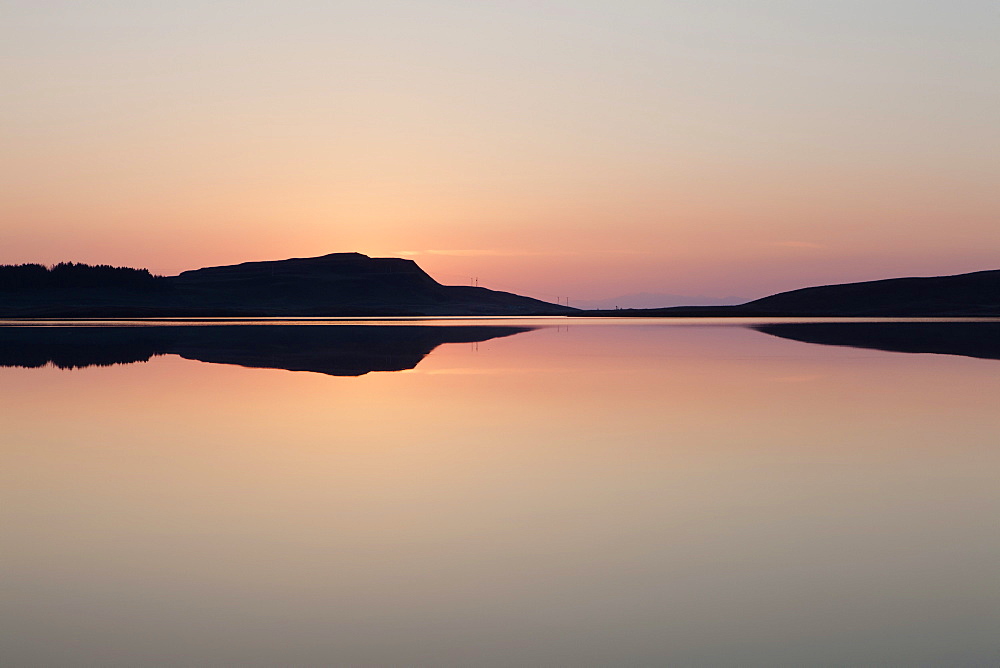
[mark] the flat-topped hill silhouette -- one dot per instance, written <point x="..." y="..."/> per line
<point x="337" y="350"/>
<point x="963" y="295"/>
<point x="340" y="284"/>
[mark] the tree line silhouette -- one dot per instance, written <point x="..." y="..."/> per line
<point x="67" y="275"/>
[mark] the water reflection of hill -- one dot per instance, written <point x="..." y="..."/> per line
<point x="338" y="350"/>
<point x="970" y="339"/>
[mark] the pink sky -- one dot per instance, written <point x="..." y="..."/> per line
<point x="579" y="150"/>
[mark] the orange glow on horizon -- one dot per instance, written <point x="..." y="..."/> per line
<point x="661" y="148"/>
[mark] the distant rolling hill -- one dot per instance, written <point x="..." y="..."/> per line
<point x="975" y="294"/>
<point x="963" y="295"/>
<point x="340" y="284"/>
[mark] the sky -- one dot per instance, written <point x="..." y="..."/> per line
<point x="580" y="149"/>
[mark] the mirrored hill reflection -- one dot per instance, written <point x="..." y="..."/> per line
<point x="336" y="350"/>
<point x="968" y="339"/>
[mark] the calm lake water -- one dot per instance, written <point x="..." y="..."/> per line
<point x="496" y="493"/>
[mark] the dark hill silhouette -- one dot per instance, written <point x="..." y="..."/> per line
<point x="969" y="339"/>
<point x="340" y="284"/>
<point x="963" y="295"/>
<point x="338" y="350"/>
<point x="975" y="294"/>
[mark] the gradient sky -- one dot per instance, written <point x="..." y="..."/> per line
<point x="575" y="148"/>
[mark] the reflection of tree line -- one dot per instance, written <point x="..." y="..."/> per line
<point x="343" y="350"/>
<point x="70" y="275"/>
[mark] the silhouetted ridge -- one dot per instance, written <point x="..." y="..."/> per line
<point x="339" y="350"/>
<point x="962" y="295"/>
<point x="332" y="266"/>
<point x="972" y="294"/>
<point x="340" y="284"/>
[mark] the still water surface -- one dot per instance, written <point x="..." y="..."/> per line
<point x="495" y="493"/>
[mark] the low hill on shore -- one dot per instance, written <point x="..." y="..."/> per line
<point x="963" y="295"/>
<point x="975" y="294"/>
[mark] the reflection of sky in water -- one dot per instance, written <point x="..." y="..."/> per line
<point x="597" y="495"/>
